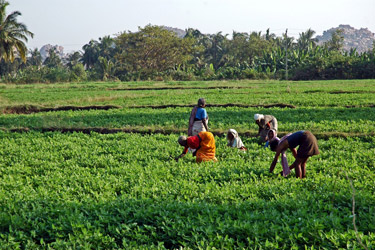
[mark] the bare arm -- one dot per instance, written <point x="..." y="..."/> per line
<point x="180" y="156"/>
<point x="274" y="162"/>
<point x="294" y="152"/>
<point x="284" y="145"/>
<point x="204" y="121"/>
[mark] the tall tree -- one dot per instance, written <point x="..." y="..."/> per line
<point x="90" y="54"/>
<point x="35" y="58"/>
<point x="336" y="43"/>
<point x="238" y="49"/>
<point x="152" y="50"/>
<point x="53" y="60"/>
<point x="73" y="59"/>
<point x="200" y="42"/>
<point x="13" y="34"/>
<point x="106" y="47"/>
<point x="306" y="40"/>
<point x="216" y="50"/>
<point x="269" y="36"/>
<point x="107" y="68"/>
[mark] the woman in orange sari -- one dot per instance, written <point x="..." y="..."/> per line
<point x="204" y="143"/>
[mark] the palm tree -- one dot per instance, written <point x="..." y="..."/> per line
<point x="53" y="60"/>
<point x="269" y="36"/>
<point x="107" y="67"/>
<point x="90" y="54"/>
<point x="306" y="40"/>
<point x="73" y="59"/>
<point x="106" y="47"/>
<point x="13" y="34"/>
<point x="35" y="58"/>
<point x="216" y="50"/>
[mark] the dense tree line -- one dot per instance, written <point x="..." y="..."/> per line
<point x="155" y="53"/>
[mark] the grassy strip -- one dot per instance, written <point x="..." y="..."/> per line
<point x="342" y="120"/>
<point x="300" y="94"/>
<point x="148" y="131"/>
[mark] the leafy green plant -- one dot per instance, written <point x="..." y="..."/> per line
<point x="124" y="191"/>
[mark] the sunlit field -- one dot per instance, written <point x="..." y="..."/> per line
<point x="91" y="166"/>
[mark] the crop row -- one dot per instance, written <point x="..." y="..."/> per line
<point x="125" y="191"/>
<point x="300" y="94"/>
<point x="318" y="120"/>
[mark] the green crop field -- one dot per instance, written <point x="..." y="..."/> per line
<point x="300" y="94"/>
<point x="115" y="185"/>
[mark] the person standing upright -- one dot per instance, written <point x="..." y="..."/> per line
<point x="198" y="121"/>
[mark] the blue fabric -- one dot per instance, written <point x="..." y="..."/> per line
<point x="201" y="114"/>
<point x="295" y="139"/>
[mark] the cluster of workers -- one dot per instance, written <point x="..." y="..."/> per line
<point x="201" y="143"/>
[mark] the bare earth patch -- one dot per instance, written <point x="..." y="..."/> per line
<point x="173" y="88"/>
<point x="29" y="109"/>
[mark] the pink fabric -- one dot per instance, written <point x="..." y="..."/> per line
<point x="191" y="121"/>
<point x="284" y="163"/>
<point x="284" y="160"/>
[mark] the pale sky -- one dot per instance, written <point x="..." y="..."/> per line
<point x="73" y="23"/>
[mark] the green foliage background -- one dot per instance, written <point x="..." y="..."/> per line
<point x="156" y="53"/>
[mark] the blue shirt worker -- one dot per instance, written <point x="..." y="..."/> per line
<point x="198" y="121"/>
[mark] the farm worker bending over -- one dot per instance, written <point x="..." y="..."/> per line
<point x="198" y="121"/>
<point x="265" y="123"/>
<point x="234" y="140"/>
<point x="308" y="146"/>
<point x="204" y="143"/>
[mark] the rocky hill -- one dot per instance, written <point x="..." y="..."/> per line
<point x="361" y="39"/>
<point x="58" y="49"/>
<point x="179" y="32"/>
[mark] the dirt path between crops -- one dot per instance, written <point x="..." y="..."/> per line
<point x="357" y="106"/>
<point x="35" y="109"/>
<point x="337" y="92"/>
<point x="276" y="105"/>
<point x="173" y="88"/>
<point x="29" y="109"/>
<point x="241" y="87"/>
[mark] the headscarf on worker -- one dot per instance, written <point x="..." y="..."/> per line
<point x="234" y="140"/>
<point x="204" y="143"/>
<point x="265" y="123"/>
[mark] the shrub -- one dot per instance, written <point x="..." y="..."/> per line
<point x="58" y="74"/>
<point x="78" y="73"/>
